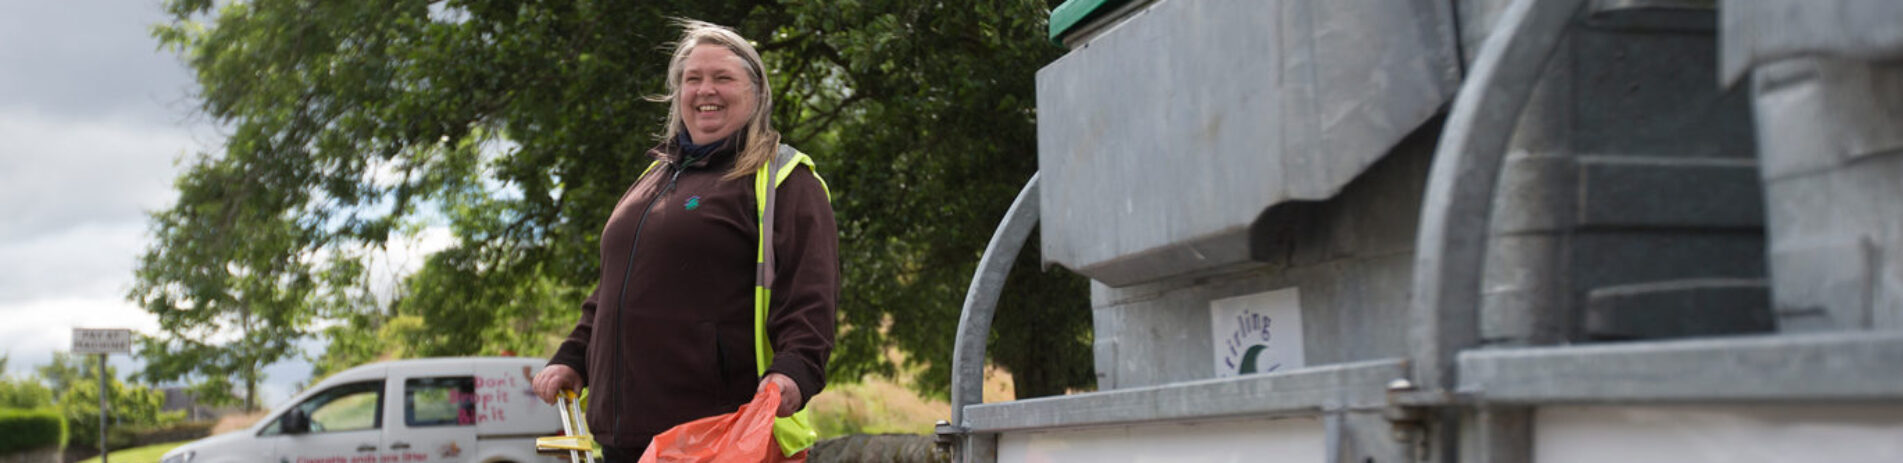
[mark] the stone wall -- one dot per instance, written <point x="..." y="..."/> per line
<point x="44" y="455"/>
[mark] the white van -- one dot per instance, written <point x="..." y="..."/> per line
<point x="477" y="410"/>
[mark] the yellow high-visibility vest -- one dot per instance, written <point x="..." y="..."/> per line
<point x="794" y="433"/>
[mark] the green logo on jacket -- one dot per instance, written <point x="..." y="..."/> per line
<point x="693" y="202"/>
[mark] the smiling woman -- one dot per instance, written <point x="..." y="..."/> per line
<point x="717" y="91"/>
<point x="749" y="244"/>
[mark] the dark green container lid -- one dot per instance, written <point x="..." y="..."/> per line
<point x="1075" y="13"/>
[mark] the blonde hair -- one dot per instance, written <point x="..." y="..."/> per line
<point x="762" y="140"/>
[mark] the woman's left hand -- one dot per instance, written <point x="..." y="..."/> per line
<point x="789" y="393"/>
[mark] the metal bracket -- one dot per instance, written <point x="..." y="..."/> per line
<point x="946" y="435"/>
<point x="1406" y="418"/>
<point x="1409" y="409"/>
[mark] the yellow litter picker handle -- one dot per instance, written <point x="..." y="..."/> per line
<point x="577" y="440"/>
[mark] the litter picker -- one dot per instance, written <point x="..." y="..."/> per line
<point x="575" y="439"/>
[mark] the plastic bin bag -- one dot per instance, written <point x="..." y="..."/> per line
<point x="746" y="435"/>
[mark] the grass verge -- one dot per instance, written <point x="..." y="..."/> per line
<point x="877" y="405"/>
<point x="146" y="454"/>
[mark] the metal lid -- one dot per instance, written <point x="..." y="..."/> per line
<point x="1074" y="13"/>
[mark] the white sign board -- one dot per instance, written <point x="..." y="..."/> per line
<point x="1257" y="333"/>
<point x="102" y="341"/>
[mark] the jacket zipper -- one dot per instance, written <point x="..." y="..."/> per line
<point x="621" y="295"/>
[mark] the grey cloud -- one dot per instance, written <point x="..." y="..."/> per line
<point x="88" y="261"/>
<point x="78" y="60"/>
<point x="55" y="176"/>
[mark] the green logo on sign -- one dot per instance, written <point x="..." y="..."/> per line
<point x="1249" y="359"/>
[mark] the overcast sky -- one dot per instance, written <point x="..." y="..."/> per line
<point x="93" y="117"/>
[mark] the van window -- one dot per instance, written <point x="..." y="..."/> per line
<point x="348" y="407"/>
<point x="445" y="401"/>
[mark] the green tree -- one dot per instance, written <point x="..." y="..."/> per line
<point x="253" y="252"/>
<point x="22" y="393"/>
<point x="75" y="391"/>
<point x="69" y="370"/>
<point x="133" y="407"/>
<point x="930" y="111"/>
<point x="519" y="124"/>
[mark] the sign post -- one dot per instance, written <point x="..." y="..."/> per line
<point x="103" y="342"/>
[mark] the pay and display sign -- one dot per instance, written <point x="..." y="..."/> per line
<point x="102" y="341"/>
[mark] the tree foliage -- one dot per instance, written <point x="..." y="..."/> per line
<point x="518" y="125"/>
<point x="68" y="370"/>
<point x="132" y="407"/>
<point x="22" y="393"/>
<point x="75" y="392"/>
<point x="941" y="136"/>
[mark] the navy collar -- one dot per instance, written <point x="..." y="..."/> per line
<point x="696" y="155"/>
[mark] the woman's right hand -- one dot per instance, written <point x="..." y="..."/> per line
<point x="553" y="380"/>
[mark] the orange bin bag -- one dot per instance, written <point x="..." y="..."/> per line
<point x="746" y="435"/>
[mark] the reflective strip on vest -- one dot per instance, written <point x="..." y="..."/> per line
<point x="793" y="433"/>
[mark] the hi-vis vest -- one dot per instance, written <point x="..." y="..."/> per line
<point x="793" y="433"/>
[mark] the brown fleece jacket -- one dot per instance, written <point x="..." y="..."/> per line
<point x="678" y="344"/>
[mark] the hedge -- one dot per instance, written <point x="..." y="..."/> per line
<point x="22" y="430"/>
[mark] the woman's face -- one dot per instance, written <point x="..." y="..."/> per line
<point x="716" y="93"/>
